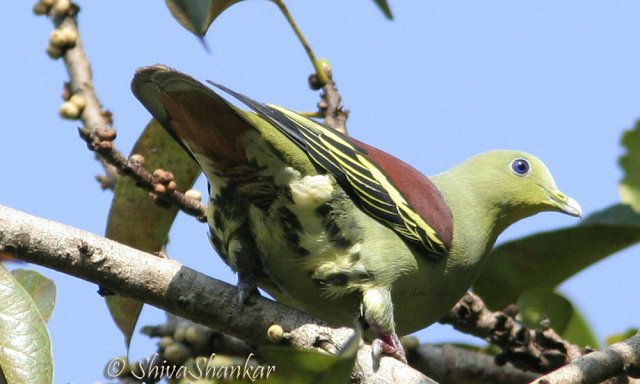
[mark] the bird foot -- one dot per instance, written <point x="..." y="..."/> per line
<point x="247" y="288"/>
<point x="388" y="344"/>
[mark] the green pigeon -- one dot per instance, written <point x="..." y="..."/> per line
<point x="335" y="227"/>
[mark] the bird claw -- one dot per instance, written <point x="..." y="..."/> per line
<point x="247" y="288"/>
<point x="388" y="344"/>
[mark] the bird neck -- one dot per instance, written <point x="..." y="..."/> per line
<point x="477" y="222"/>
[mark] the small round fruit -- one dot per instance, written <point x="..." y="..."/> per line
<point x="137" y="159"/>
<point x="194" y="194"/>
<point x="79" y="100"/>
<point x="165" y="341"/>
<point x="54" y="51"/>
<point x="195" y="335"/>
<point x="178" y="335"/>
<point x="69" y="110"/>
<point x="176" y="353"/>
<point x="57" y="38"/>
<point x="40" y="8"/>
<point x="70" y="36"/>
<point x="61" y="7"/>
<point x="275" y="333"/>
<point x="159" y="189"/>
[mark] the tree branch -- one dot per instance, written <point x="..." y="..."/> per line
<point x="533" y="350"/>
<point x="621" y="358"/>
<point x="542" y="350"/>
<point x="455" y="365"/>
<point x="168" y="285"/>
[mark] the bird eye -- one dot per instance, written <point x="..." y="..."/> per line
<point x="520" y="166"/>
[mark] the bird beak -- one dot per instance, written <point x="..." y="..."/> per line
<point x="563" y="203"/>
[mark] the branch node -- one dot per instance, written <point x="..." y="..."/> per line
<point x="632" y="370"/>
<point x="511" y="310"/>
<point x="104" y="134"/>
<point x="326" y="344"/>
<point x="108" y="117"/>
<point x="501" y="359"/>
<point x="85" y="249"/>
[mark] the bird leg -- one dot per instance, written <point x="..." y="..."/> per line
<point x="377" y="310"/>
<point x="247" y="263"/>
<point x="247" y="287"/>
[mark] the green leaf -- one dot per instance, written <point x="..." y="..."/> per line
<point x="547" y="259"/>
<point x="310" y="367"/>
<point x="135" y="220"/>
<point x="41" y="290"/>
<point x="25" y="347"/>
<point x="579" y="332"/>
<point x="384" y="7"/>
<point x="629" y="188"/>
<point x="618" y="337"/>
<point x="197" y="15"/>
<point x="538" y="304"/>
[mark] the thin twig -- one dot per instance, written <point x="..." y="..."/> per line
<point x="330" y="104"/>
<point x="145" y="180"/>
<point x="97" y="131"/>
<point x="322" y="76"/>
<point x="533" y="350"/>
<point x="79" y="70"/>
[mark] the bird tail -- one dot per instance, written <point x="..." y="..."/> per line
<point x="203" y="122"/>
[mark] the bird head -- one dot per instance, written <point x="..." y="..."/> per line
<point x="512" y="185"/>
<point x="519" y="184"/>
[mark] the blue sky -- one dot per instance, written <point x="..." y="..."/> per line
<point x="444" y="81"/>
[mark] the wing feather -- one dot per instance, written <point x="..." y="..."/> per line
<point x="372" y="190"/>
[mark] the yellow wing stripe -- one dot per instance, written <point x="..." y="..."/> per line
<point x="364" y="175"/>
<point x="324" y="144"/>
<point x="381" y="205"/>
<point x="371" y="200"/>
<point x="402" y="204"/>
<point x="374" y="201"/>
<point x="357" y="184"/>
<point x="311" y="140"/>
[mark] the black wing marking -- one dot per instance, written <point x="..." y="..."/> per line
<point x="355" y="173"/>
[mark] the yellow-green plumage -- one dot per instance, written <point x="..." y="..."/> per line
<point x="309" y="220"/>
<point x="483" y="204"/>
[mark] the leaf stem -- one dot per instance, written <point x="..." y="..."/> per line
<point x="320" y="72"/>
